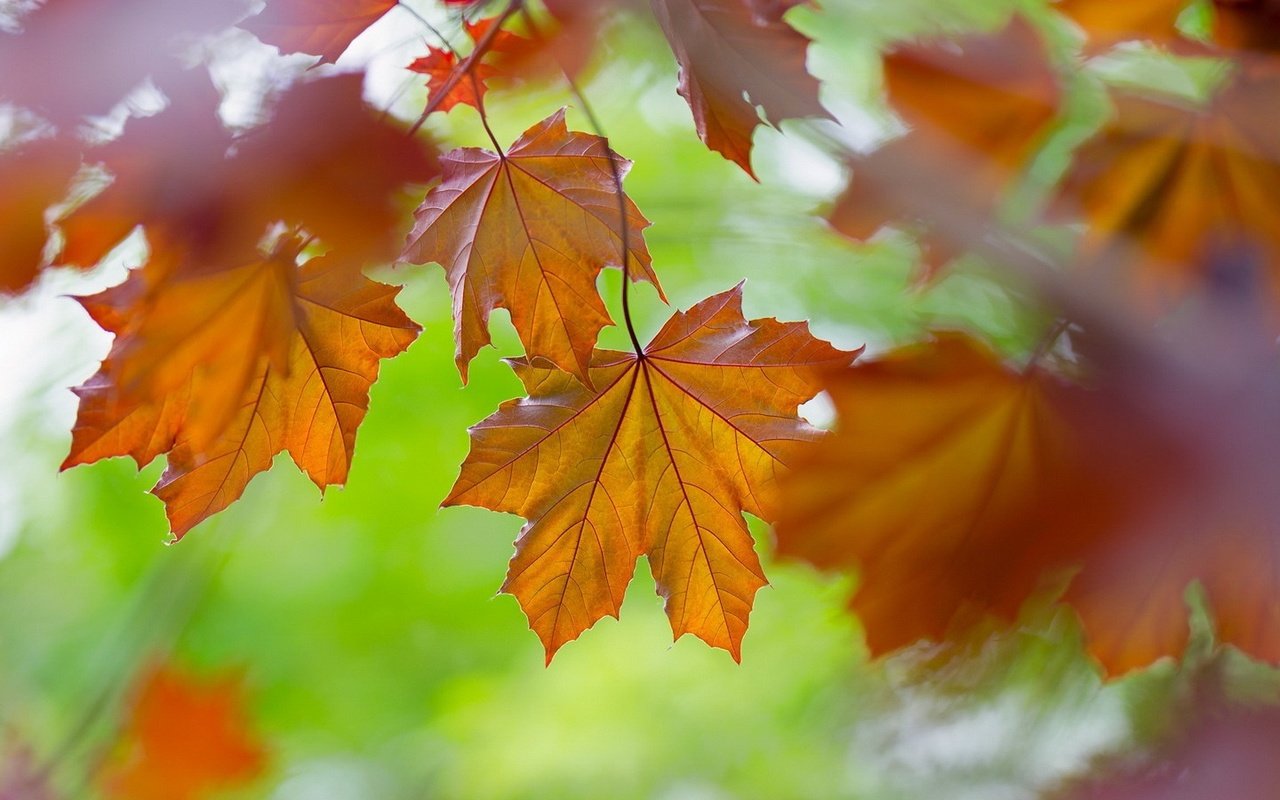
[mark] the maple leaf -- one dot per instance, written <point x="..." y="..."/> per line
<point x="736" y="56"/>
<point x="34" y="177"/>
<point x="324" y="162"/>
<point x="110" y="46"/>
<point x="1180" y="437"/>
<point x="240" y="365"/>
<point x="439" y="65"/>
<point x="979" y="109"/>
<point x="529" y="230"/>
<point x="1164" y="187"/>
<point x="659" y="460"/>
<point x="1154" y="477"/>
<point x="184" y="739"/>
<point x="324" y="28"/>
<point x="944" y="467"/>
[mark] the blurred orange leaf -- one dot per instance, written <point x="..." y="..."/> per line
<point x="978" y="108"/>
<point x="184" y="739"/>
<point x="34" y="177"/>
<point x="1166" y="187"/>
<point x="944" y="467"/>
<point x="659" y="460"/>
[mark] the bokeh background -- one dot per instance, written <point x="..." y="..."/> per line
<point x="377" y="659"/>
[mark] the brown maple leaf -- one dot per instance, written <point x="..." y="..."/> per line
<point x="34" y="176"/>
<point x="529" y="230"/>
<point x="226" y="370"/>
<point x="659" y="460"/>
<point x="944" y="467"/>
<point x="324" y="28"/>
<point x="324" y="162"/>
<point x="979" y="109"/>
<point x="737" y="56"/>
<point x="1180" y="442"/>
<point x="184" y="739"/>
<point x="954" y="481"/>
<point x="1164" y="187"/>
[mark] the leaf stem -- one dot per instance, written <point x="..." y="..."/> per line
<point x="624" y="230"/>
<point x="484" y="117"/>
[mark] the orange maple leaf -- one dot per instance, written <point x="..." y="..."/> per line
<point x="226" y="370"/>
<point x="324" y="28"/>
<point x="736" y="56"/>
<point x="439" y="65"/>
<point x="1166" y="187"/>
<point x="659" y="460"/>
<point x="184" y="739"/>
<point x="529" y="230"/>
<point x="34" y="176"/>
<point x="979" y="108"/>
<point x="945" y="466"/>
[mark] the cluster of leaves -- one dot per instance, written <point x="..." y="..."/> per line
<point x="955" y="482"/>
<point x="1132" y="462"/>
<point x="250" y="329"/>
